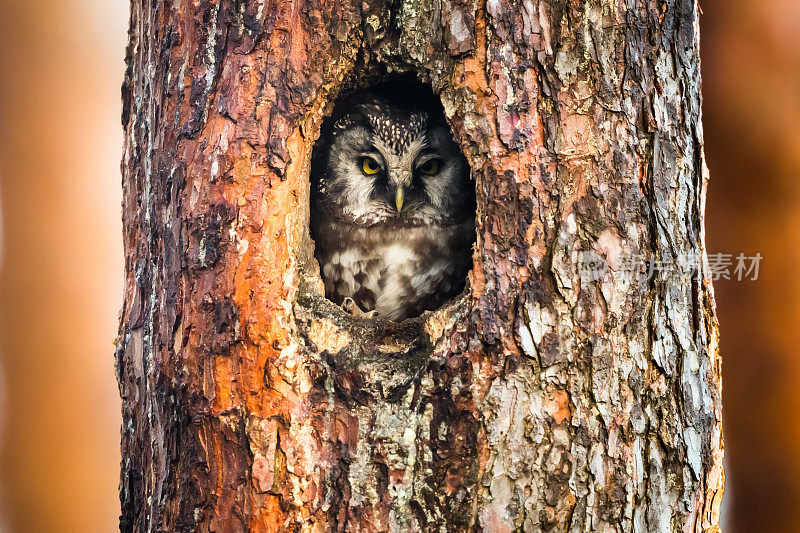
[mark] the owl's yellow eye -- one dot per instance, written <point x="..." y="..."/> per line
<point x="370" y="166"/>
<point x="429" y="167"/>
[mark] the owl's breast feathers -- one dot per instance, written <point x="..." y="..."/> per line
<point x="397" y="271"/>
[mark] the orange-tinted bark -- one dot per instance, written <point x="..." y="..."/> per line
<point x="537" y="400"/>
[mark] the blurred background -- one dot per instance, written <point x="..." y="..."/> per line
<point x="750" y="52"/>
<point x="61" y="264"/>
<point x="61" y="67"/>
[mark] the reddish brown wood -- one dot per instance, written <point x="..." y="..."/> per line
<point x="538" y="400"/>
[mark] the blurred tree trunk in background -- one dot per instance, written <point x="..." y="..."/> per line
<point x="550" y="397"/>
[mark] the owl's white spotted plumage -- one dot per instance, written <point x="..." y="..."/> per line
<point x="392" y="203"/>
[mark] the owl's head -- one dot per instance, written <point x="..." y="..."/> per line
<point x="386" y="155"/>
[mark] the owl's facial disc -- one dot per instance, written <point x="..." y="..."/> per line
<point x="392" y="164"/>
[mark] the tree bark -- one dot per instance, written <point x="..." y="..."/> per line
<point x="540" y="400"/>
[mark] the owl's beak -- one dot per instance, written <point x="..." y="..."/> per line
<point x="398" y="199"/>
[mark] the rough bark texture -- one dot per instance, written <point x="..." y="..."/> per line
<point x="539" y="401"/>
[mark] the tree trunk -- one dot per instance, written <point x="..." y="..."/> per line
<point x="543" y="399"/>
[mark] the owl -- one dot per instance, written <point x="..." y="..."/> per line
<point x="392" y="204"/>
